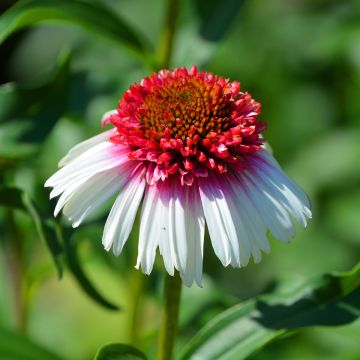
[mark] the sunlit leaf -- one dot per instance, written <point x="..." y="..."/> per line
<point x="119" y="352"/>
<point x="329" y="300"/>
<point x="216" y="16"/>
<point x="15" y="346"/>
<point x="91" y="16"/>
<point x="74" y="264"/>
<point x="17" y="199"/>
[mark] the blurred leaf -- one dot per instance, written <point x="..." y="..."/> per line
<point x="332" y="299"/>
<point x="18" y="199"/>
<point x="38" y="107"/>
<point x="119" y="352"/>
<point x="91" y="16"/>
<point x="18" y="347"/>
<point x="216" y="16"/>
<point x="332" y="161"/>
<point x="76" y="269"/>
<point x="202" y="300"/>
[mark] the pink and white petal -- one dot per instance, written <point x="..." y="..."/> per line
<point x="162" y="226"/>
<point x="101" y="157"/>
<point x="253" y="222"/>
<point x="92" y="194"/>
<point x="122" y="215"/>
<point x="274" y="216"/>
<point x="249" y="237"/>
<point x="178" y="224"/>
<point x="219" y="220"/>
<point x="194" y="221"/>
<point x="246" y="245"/>
<point x="80" y="148"/>
<point x="148" y="235"/>
<point x="265" y="170"/>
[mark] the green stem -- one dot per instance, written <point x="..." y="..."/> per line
<point x="168" y="328"/>
<point x="17" y="271"/>
<point x="166" y="42"/>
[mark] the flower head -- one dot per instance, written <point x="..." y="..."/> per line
<point x="188" y="146"/>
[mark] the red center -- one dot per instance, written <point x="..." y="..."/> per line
<point x="187" y="123"/>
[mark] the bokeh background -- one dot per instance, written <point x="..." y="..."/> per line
<point x="299" y="58"/>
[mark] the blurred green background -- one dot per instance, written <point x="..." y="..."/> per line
<point x="299" y="58"/>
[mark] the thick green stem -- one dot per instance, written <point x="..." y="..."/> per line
<point x="166" y="42"/>
<point x="169" y="321"/>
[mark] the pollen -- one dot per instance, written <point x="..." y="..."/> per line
<point x="187" y="106"/>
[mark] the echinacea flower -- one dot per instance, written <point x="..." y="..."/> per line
<point x="186" y="147"/>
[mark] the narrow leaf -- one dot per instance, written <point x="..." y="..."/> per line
<point x="76" y="269"/>
<point x="329" y="300"/>
<point x="91" y="16"/>
<point x="15" y="346"/>
<point x="18" y="199"/>
<point x="119" y="352"/>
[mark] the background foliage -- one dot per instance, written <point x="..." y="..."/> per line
<point x="299" y="58"/>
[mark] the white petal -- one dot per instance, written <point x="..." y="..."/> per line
<point x="101" y="157"/>
<point x="80" y="148"/>
<point x="291" y="197"/>
<point x="194" y="221"/>
<point x="122" y="215"/>
<point x="95" y="192"/>
<point x="177" y="225"/>
<point x="148" y="237"/>
<point x="239" y="207"/>
<point x="219" y="221"/>
<point x="273" y="214"/>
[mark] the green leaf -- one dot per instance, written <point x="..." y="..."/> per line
<point x="38" y="107"/>
<point x="18" y="199"/>
<point x="91" y="16"/>
<point x="216" y="16"/>
<point x="119" y="352"/>
<point x="332" y="299"/>
<point x="15" y="346"/>
<point x="73" y="261"/>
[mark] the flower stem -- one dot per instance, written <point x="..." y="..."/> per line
<point x="168" y="328"/>
<point x="17" y="272"/>
<point x="165" y="48"/>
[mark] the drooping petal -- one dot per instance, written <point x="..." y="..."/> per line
<point x="94" y="192"/>
<point x="273" y="214"/>
<point x="264" y="170"/>
<point x="188" y="199"/>
<point x="122" y="215"/>
<point x="80" y="148"/>
<point x="148" y="235"/>
<point x="219" y="220"/>
<point x="101" y="157"/>
<point x="253" y="228"/>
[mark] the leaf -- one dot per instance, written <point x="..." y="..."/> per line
<point x="216" y="16"/>
<point x="329" y="300"/>
<point x="342" y="147"/>
<point x="119" y="352"/>
<point x="91" y="16"/>
<point x="18" y="199"/>
<point x="15" y="346"/>
<point x="76" y="269"/>
<point x="38" y="107"/>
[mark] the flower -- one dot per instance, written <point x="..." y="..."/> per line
<point x="188" y="146"/>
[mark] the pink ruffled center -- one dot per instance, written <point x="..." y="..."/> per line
<point x="187" y="124"/>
